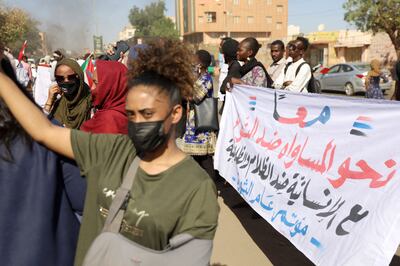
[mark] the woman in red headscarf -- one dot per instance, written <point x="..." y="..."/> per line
<point x="108" y="97"/>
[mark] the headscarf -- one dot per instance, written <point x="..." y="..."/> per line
<point x="375" y="68"/>
<point x="73" y="113"/>
<point x="109" y="99"/>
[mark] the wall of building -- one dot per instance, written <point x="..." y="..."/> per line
<point x="263" y="19"/>
<point x="381" y="48"/>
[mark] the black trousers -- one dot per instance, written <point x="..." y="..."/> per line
<point x="207" y="163"/>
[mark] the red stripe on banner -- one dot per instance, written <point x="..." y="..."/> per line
<point x="364" y="118"/>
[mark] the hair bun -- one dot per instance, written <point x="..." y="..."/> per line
<point x="168" y="58"/>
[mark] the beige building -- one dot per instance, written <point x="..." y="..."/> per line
<point x="329" y="48"/>
<point x="206" y="21"/>
<point x="127" y="33"/>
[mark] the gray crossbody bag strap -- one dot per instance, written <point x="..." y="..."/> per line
<point x="118" y="205"/>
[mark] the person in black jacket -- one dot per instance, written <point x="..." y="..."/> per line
<point x="396" y="94"/>
<point x="229" y="50"/>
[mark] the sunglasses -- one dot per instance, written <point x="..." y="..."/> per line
<point x="71" y="77"/>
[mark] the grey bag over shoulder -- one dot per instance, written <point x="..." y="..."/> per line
<point x="112" y="249"/>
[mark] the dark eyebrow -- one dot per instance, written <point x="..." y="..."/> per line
<point x="141" y="110"/>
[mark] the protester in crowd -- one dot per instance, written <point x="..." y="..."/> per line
<point x="58" y="55"/>
<point x="279" y="61"/>
<point x="54" y="59"/>
<point x="22" y="72"/>
<point x="252" y="72"/>
<point x="40" y="193"/>
<point x="372" y="80"/>
<point x="26" y="66"/>
<point x="108" y="98"/>
<point x="201" y="145"/>
<point x="43" y="82"/>
<point x="223" y="67"/>
<point x="229" y="50"/>
<point x="8" y="54"/>
<point x="287" y="56"/>
<point x="171" y="194"/>
<point x="396" y="94"/>
<point x="73" y="108"/>
<point x="297" y="74"/>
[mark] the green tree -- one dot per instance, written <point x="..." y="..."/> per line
<point x="151" y="21"/>
<point x="31" y="34"/>
<point x="376" y="16"/>
<point x="13" y="24"/>
<point x="16" y="26"/>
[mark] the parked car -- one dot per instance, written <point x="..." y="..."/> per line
<point x="349" y="77"/>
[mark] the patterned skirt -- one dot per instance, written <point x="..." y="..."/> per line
<point x="199" y="144"/>
<point x="374" y="92"/>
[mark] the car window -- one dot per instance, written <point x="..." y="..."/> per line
<point x="334" y="69"/>
<point x="346" y="68"/>
<point x="363" y="68"/>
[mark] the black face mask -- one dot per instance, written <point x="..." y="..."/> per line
<point x="147" y="136"/>
<point x="70" y="89"/>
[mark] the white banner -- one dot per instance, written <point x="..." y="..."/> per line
<point x="322" y="170"/>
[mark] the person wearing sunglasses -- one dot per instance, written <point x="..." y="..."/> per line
<point x="297" y="73"/>
<point x="73" y="108"/>
<point x="171" y="194"/>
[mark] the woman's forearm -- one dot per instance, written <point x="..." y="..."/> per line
<point x="33" y="120"/>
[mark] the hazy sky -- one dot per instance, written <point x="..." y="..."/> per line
<point x="71" y="23"/>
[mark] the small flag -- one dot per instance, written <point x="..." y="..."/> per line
<point x="361" y="125"/>
<point x="88" y="69"/>
<point x="22" y="51"/>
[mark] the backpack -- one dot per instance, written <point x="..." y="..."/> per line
<point x="312" y="86"/>
<point x="22" y="75"/>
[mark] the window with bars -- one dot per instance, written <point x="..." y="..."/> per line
<point x="211" y="17"/>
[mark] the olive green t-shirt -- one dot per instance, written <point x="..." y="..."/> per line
<point x="181" y="199"/>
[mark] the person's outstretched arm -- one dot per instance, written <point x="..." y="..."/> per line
<point x="33" y="120"/>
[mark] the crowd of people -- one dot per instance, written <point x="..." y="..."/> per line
<point x="65" y="146"/>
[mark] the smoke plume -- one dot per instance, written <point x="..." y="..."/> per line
<point x="68" y="24"/>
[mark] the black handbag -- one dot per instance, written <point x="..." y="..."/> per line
<point x="206" y="115"/>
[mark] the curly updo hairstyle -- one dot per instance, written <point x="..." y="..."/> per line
<point x="166" y="65"/>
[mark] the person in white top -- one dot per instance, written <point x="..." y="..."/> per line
<point x="223" y="69"/>
<point x="279" y="61"/>
<point x="297" y="74"/>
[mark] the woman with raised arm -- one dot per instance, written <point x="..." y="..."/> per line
<point x="172" y="194"/>
<point x="40" y="192"/>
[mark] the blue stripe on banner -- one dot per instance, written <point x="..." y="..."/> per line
<point x="315" y="242"/>
<point x="252" y="103"/>
<point x="361" y="125"/>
